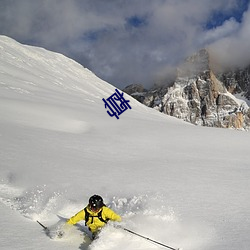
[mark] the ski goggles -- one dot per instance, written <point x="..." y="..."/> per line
<point x="94" y="208"/>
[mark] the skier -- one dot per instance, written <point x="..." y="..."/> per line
<point x="95" y="214"/>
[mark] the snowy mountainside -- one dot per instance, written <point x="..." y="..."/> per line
<point x="176" y="183"/>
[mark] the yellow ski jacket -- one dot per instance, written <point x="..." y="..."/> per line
<point x="94" y="223"/>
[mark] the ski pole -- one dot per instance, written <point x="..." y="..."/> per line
<point x="146" y="238"/>
<point x="45" y="228"/>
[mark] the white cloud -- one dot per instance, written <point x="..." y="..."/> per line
<point x="228" y="28"/>
<point x="233" y="50"/>
<point x="97" y="32"/>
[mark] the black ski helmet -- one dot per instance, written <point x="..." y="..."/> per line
<point x="96" y="202"/>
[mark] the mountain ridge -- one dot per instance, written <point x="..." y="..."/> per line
<point x="200" y="95"/>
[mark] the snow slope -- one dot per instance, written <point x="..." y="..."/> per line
<point x="173" y="182"/>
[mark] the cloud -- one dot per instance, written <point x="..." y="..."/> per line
<point x="121" y="41"/>
<point x="233" y="49"/>
<point x="228" y="28"/>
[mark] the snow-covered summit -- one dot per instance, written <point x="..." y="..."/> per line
<point x="35" y="68"/>
<point x="32" y="74"/>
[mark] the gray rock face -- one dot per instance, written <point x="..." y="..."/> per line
<point x="237" y="81"/>
<point x="201" y="97"/>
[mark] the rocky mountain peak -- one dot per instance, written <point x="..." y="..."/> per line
<point x="196" y="64"/>
<point x="200" y="96"/>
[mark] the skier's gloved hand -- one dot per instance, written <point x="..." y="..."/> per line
<point x="62" y="230"/>
<point x="60" y="233"/>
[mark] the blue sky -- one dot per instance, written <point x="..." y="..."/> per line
<point x="218" y="17"/>
<point x="131" y="41"/>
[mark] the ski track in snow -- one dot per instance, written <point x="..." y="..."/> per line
<point x="43" y="117"/>
<point x="144" y="214"/>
